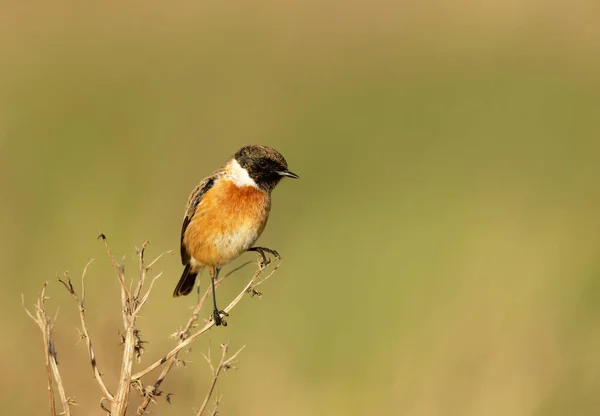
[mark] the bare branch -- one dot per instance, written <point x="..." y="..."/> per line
<point x="133" y="298"/>
<point x="46" y="325"/>
<point x="84" y="330"/>
<point x="224" y="364"/>
<point x="118" y="267"/>
<point x="33" y="318"/>
<point x="130" y="337"/>
<point x="153" y="390"/>
<point x="153" y="262"/>
<point x="215" y="410"/>
<point x="147" y="294"/>
<point x="83" y="281"/>
<point x="143" y="269"/>
<point x="187" y="341"/>
<point x="182" y="335"/>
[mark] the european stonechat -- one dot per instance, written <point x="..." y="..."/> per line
<point x="226" y="213"/>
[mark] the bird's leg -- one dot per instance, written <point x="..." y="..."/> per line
<point x="264" y="261"/>
<point x="214" y="274"/>
<point x="198" y="292"/>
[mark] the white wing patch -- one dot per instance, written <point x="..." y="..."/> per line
<point x="238" y="175"/>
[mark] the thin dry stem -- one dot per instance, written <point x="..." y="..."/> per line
<point x="52" y="372"/>
<point x="187" y="341"/>
<point x="133" y="298"/>
<point x="215" y="410"/>
<point x="119" y="270"/>
<point x="84" y="329"/>
<point x="224" y="364"/>
<point x="182" y="335"/>
<point x="153" y="262"/>
<point x="142" y="301"/>
<point x="143" y="270"/>
<point x="131" y="304"/>
<point x="121" y="398"/>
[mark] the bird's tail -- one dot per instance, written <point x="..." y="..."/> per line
<point x="186" y="283"/>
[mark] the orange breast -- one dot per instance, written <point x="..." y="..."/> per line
<point x="227" y="222"/>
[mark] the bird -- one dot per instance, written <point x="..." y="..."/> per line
<point x="226" y="213"/>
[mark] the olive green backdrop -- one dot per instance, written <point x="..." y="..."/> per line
<point x="441" y="247"/>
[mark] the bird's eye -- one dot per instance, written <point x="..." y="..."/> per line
<point x="263" y="164"/>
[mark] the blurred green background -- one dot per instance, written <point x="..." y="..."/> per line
<point x="441" y="248"/>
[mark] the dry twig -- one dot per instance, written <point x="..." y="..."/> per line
<point x="224" y="365"/>
<point x="46" y="326"/>
<point x="172" y="357"/>
<point x="84" y="334"/>
<point x="133" y="298"/>
<point x="188" y="340"/>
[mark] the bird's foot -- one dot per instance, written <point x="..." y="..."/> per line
<point x="264" y="260"/>
<point x="218" y="319"/>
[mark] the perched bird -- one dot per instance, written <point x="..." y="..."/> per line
<point x="226" y="213"/>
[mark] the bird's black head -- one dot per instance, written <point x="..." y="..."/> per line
<point x="265" y="165"/>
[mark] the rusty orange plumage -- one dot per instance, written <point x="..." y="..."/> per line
<point x="227" y="212"/>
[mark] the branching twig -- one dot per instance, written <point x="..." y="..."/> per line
<point x="133" y="298"/>
<point x="120" y="272"/>
<point x="84" y="330"/>
<point x="151" y="391"/>
<point x="183" y="335"/>
<point x="131" y="304"/>
<point x="215" y="410"/>
<point x="46" y="326"/>
<point x="224" y="364"/>
<point x="187" y="341"/>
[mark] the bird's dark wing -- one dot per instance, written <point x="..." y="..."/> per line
<point x="193" y="201"/>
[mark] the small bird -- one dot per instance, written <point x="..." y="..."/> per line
<point x="226" y="213"/>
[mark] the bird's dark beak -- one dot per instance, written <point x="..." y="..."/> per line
<point x="288" y="174"/>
